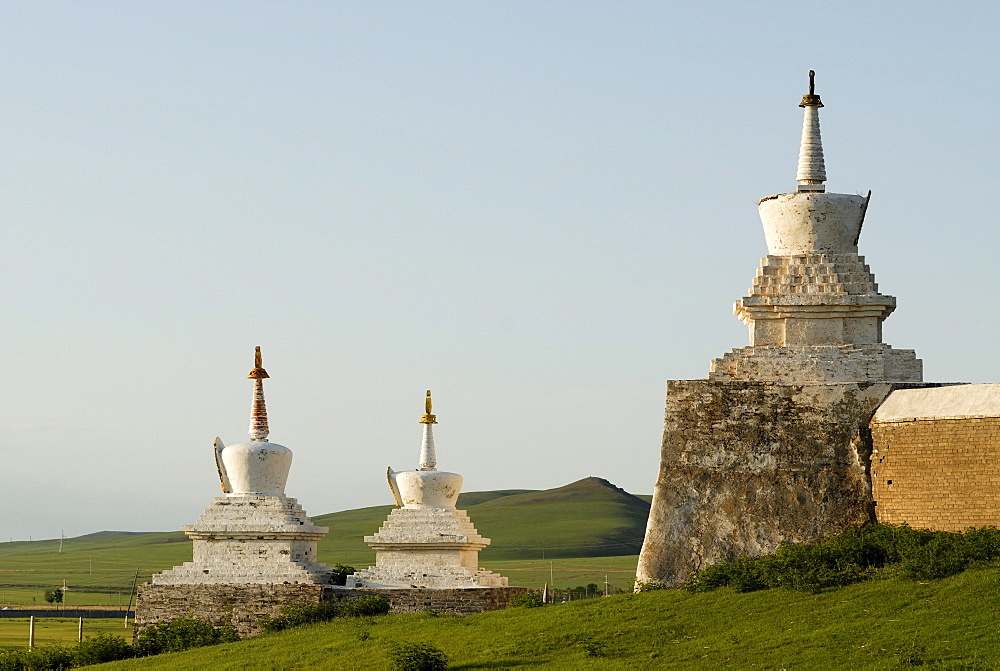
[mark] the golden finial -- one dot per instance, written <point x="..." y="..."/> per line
<point x="811" y="99"/>
<point x="258" y="371"/>
<point x="428" y="418"/>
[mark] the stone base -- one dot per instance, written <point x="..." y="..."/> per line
<point x="243" y="606"/>
<point x="461" y="601"/>
<point x="239" y="605"/>
<point x="818" y="364"/>
<point x="427" y="547"/>
<point x="251" y="540"/>
<point x="747" y="466"/>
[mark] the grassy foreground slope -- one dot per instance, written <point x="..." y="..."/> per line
<point x="885" y="624"/>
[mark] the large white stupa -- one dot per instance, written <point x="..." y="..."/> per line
<point x="426" y="542"/>
<point x="254" y="535"/>
<point x="814" y="311"/>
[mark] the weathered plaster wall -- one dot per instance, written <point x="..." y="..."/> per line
<point x="747" y="466"/>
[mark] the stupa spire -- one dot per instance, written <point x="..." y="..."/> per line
<point x="428" y="459"/>
<point x="258" y="411"/>
<point x="812" y="169"/>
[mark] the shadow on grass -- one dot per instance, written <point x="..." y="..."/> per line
<point x="505" y="664"/>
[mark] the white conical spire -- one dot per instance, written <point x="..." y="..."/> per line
<point x="812" y="169"/>
<point x="428" y="459"/>
<point x="258" y="411"/>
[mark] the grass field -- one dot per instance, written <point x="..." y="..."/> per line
<point x="48" y="630"/>
<point x="590" y="518"/>
<point x="884" y="624"/>
<point x="569" y="573"/>
<point x="98" y="569"/>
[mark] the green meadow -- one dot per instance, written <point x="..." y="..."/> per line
<point x="54" y="630"/>
<point x="884" y="624"/>
<point x="572" y="535"/>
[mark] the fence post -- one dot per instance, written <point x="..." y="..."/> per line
<point x="79" y="632"/>
<point x="31" y="633"/>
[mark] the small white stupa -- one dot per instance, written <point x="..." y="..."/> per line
<point x="254" y="534"/>
<point x="426" y="542"/>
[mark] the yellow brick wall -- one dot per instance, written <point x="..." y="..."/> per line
<point x="944" y="473"/>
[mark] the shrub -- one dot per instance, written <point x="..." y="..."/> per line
<point x="181" y="634"/>
<point x="854" y="556"/>
<point x="12" y="660"/>
<point x="102" y="648"/>
<point x="54" y="595"/>
<point x="365" y="605"/>
<point x="45" y="657"/>
<point x="340" y="573"/>
<point x="299" y="613"/>
<point x="417" y="657"/>
<point x="940" y="557"/>
<point x="526" y="600"/>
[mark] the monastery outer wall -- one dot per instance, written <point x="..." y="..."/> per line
<point x="243" y="605"/>
<point x="941" y="474"/>
<point x="747" y="466"/>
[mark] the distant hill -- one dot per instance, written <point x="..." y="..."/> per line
<point x="588" y="518"/>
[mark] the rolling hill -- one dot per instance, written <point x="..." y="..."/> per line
<point x="588" y="518"/>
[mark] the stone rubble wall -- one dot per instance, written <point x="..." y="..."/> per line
<point x="941" y="474"/>
<point x="239" y="605"/>
<point x="747" y="466"/>
<point x="460" y="601"/>
<point x="242" y="606"/>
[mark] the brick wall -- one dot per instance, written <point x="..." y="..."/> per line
<point x="941" y="474"/>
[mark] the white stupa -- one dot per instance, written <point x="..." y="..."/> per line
<point x="254" y="535"/>
<point x="426" y="542"/>
<point x="814" y="311"/>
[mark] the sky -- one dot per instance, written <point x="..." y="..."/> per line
<point x="539" y="211"/>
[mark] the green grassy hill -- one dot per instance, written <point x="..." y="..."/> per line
<point x="589" y="518"/>
<point x="884" y="624"/>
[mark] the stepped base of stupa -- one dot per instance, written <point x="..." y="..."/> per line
<point x="251" y="540"/>
<point x="806" y="364"/>
<point x="435" y="548"/>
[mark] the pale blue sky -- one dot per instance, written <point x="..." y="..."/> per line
<point x="541" y="211"/>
